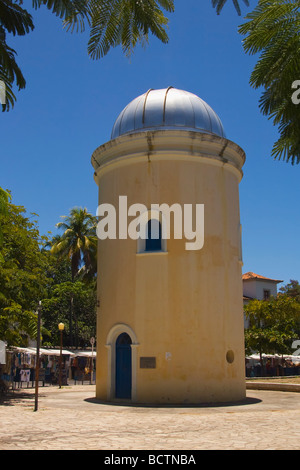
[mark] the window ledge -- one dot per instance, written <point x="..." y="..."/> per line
<point x="145" y="253"/>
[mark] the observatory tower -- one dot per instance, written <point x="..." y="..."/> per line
<point x="170" y="317"/>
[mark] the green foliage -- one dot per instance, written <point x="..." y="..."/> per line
<point x="78" y="243"/>
<point x="111" y="23"/>
<point x="273" y="325"/>
<point x="292" y="289"/>
<point x="76" y="248"/>
<point x="30" y="272"/>
<point x="125" y="23"/>
<point x="4" y="200"/>
<point x="14" y="20"/>
<point x="272" y="30"/>
<point x="17" y="324"/>
<point x="219" y="4"/>
<point x="63" y="8"/>
<point x="57" y="308"/>
<point x="22" y="274"/>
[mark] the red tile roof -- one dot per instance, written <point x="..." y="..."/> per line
<point x="250" y="275"/>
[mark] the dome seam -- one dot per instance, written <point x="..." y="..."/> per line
<point x="188" y="109"/>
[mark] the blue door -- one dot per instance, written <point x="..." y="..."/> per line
<point x="123" y="366"/>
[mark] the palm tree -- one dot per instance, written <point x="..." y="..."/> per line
<point x="111" y="23"/>
<point x="273" y="31"/>
<point x="78" y="243"/>
<point x="17" y="21"/>
<point x="125" y="23"/>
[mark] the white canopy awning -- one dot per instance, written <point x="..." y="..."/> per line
<point x="46" y="352"/>
<point x="56" y="352"/>
<point x="85" y="353"/>
<point x="275" y="356"/>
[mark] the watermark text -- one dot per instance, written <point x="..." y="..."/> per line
<point x="2" y="93"/>
<point x="296" y="94"/>
<point x="137" y="222"/>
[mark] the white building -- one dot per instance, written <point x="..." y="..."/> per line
<point x="258" y="287"/>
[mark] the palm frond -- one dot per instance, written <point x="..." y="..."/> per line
<point x="112" y="23"/>
<point x="219" y="4"/>
<point x="10" y="73"/>
<point x="272" y="30"/>
<point x="62" y="8"/>
<point x="78" y="242"/>
<point x="125" y="23"/>
<point x="15" y="19"/>
<point x="74" y="13"/>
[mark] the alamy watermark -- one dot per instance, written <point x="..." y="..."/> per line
<point x="296" y="95"/>
<point x="296" y="354"/>
<point x="188" y="222"/>
<point x="2" y="92"/>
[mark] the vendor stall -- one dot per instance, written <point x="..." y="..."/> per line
<point x="83" y="366"/>
<point x="19" y="369"/>
<point x="272" y="364"/>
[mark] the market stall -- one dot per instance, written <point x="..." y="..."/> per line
<point x="83" y="366"/>
<point x="19" y="368"/>
<point x="273" y="365"/>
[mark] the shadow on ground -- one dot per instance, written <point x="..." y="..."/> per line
<point x="246" y="401"/>
<point x="17" y="398"/>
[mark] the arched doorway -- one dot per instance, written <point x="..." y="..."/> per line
<point x="123" y="366"/>
<point x="111" y="340"/>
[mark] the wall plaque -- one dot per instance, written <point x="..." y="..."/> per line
<point x="148" y="362"/>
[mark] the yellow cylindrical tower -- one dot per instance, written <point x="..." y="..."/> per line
<point x="170" y="321"/>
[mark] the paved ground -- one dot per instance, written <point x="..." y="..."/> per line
<point x="71" y="419"/>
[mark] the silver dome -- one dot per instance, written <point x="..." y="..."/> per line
<point x="168" y="108"/>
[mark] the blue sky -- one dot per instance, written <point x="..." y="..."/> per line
<point x="71" y="102"/>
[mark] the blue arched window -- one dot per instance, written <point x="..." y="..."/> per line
<point x="153" y="240"/>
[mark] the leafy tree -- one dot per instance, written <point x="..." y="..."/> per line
<point x="78" y="244"/>
<point x="292" y="289"/>
<point x="23" y="281"/>
<point x="273" y="325"/>
<point x="30" y="272"/>
<point x="4" y="200"/>
<point x="56" y="309"/>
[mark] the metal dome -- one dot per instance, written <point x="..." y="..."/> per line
<point x="168" y="108"/>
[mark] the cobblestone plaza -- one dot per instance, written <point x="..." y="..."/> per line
<point x="72" y="419"/>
